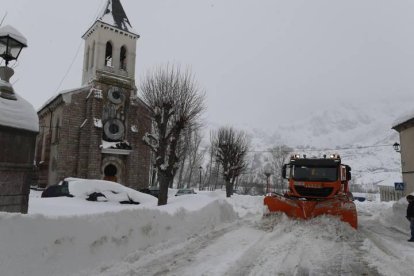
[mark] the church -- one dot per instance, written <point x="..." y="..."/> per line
<point x="95" y="131"/>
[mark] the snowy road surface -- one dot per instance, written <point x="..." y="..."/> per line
<point x="279" y="246"/>
<point x="203" y="234"/>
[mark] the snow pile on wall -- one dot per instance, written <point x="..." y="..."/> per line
<point x="39" y="245"/>
<point x="404" y="117"/>
<point x="395" y="216"/>
<point x="18" y="114"/>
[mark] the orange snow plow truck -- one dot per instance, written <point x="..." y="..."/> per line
<point x="317" y="186"/>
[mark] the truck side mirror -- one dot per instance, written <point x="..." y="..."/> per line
<point x="284" y="171"/>
<point x="348" y="173"/>
<point x="348" y="176"/>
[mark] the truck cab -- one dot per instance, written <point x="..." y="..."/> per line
<point x="314" y="178"/>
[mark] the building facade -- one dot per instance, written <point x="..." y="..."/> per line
<point x="405" y="127"/>
<point x="95" y="131"/>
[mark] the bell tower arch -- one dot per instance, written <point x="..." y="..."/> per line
<point x="110" y="44"/>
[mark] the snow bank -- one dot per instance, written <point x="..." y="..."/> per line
<point x="395" y="216"/>
<point x="65" y="245"/>
<point x="389" y="214"/>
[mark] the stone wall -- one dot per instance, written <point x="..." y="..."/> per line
<point x="16" y="168"/>
<point x="140" y="159"/>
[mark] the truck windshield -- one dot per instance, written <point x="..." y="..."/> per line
<point x="306" y="173"/>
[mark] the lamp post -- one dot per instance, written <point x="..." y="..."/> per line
<point x="268" y="173"/>
<point x="19" y="126"/>
<point x="11" y="44"/>
<point x="201" y="170"/>
<point x="396" y="147"/>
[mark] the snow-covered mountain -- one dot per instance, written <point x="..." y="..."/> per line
<point x="360" y="133"/>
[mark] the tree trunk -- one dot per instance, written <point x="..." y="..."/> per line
<point x="190" y="176"/>
<point x="210" y="169"/>
<point x="217" y="175"/>
<point x="163" y="195"/>
<point x="154" y="176"/>
<point x="228" y="189"/>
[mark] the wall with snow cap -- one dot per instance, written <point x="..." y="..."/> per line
<point x="403" y="118"/>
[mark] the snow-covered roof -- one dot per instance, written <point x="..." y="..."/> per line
<point x="405" y="117"/>
<point x="51" y="99"/>
<point x="114" y="15"/>
<point x="13" y="33"/>
<point x="18" y="114"/>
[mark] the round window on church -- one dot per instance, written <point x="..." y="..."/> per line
<point x="114" y="130"/>
<point x="115" y="95"/>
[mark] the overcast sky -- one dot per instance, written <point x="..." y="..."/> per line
<point x="260" y="62"/>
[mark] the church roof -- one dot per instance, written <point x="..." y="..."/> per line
<point x="114" y="15"/>
<point x="62" y="93"/>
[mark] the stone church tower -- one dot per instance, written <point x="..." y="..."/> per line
<point x="96" y="131"/>
<point x="110" y="45"/>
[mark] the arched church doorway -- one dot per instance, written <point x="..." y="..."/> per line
<point x="110" y="172"/>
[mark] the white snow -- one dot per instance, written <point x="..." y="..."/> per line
<point x="111" y="145"/>
<point x="134" y="128"/>
<point x="362" y="136"/>
<point x="200" y="234"/>
<point x="18" y="114"/>
<point x="97" y="122"/>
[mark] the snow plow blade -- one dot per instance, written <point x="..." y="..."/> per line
<point x="340" y="207"/>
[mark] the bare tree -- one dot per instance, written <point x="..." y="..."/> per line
<point x="279" y="156"/>
<point x="211" y="169"/>
<point x="195" y="157"/>
<point x="175" y="105"/>
<point x="180" y="182"/>
<point x="192" y="158"/>
<point x="231" y="149"/>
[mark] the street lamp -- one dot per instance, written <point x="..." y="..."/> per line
<point x="11" y="44"/>
<point x="396" y="147"/>
<point x="19" y="126"/>
<point x="201" y="170"/>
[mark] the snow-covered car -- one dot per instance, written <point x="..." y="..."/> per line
<point x="359" y="198"/>
<point x="56" y="191"/>
<point x="185" y="192"/>
<point x="104" y="191"/>
<point x="154" y="191"/>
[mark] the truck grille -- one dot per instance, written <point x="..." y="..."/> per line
<point x="316" y="192"/>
